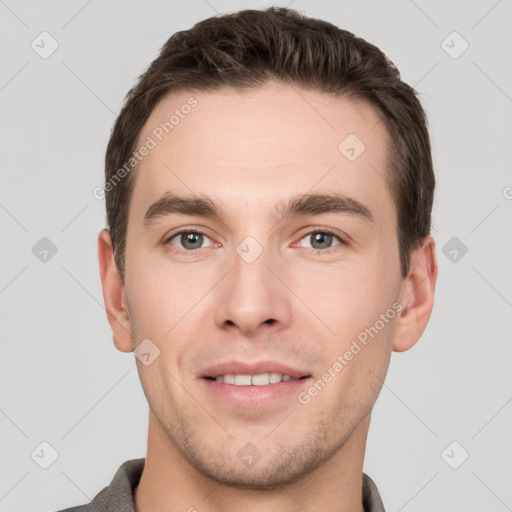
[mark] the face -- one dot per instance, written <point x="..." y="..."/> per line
<point x="262" y="262"/>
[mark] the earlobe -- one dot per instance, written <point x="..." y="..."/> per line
<point x="417" y="297"/>
<point x="114" y="294"/>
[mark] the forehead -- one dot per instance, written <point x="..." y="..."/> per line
<point x="260" y="145"/>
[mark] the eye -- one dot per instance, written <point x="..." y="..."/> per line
<point x="191" y="240"/>
<point x="321" y="239"/>
<point x="188" y="240"/>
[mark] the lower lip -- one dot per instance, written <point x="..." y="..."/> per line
<point x="254" y="396"/>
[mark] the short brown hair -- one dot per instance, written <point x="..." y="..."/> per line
<point x="252" y="47"/>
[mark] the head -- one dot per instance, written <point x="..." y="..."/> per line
<point x="269" y="187"/>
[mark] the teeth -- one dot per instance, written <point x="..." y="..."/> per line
<point x="229" y="379"/>
<point x="275" y="377"/>
<point x="262" y="379"/>
<point x="242" y="380"/>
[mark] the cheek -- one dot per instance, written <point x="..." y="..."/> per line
<point x="348" y="299"/>
<point x="166" y="308"/>
<point x="162" y="295"/>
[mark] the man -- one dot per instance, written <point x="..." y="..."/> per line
<point x="269" y="188"/>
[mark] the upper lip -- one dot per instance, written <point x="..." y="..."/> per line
<point x="256" y="368"/>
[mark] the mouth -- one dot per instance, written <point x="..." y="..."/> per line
<point x="262" y="379"/>
<point x="246" y="385"/>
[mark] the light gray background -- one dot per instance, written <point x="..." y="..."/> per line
<point x="62" y="380"/>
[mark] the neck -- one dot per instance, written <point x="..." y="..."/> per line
<point x="170" y="483"/>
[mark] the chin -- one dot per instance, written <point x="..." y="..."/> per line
<point x="284" y="468"/>
<point x="263" y="481"/>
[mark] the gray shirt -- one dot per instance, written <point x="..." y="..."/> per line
<point x="118" y="496"/>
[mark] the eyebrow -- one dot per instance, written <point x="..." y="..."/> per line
<point x="306" y="204"/>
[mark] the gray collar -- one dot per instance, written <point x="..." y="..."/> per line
<point x="118" y="496"/>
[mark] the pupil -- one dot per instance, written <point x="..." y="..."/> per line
<point x="324" y="240"/>
<point x="192" y="238"/>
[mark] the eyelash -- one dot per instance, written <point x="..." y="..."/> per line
<point x="325" y="231"/>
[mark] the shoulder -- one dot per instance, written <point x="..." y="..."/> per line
<point x="118" y="496"/>
<point x="372" y="501"/>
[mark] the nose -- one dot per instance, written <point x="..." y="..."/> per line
<point x="251" y="298"/>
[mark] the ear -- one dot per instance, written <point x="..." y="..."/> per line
<point x="416" y="296"/>
<point x="114" y="294"/>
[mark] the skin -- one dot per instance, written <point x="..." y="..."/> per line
<point x="248" y="151"/>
